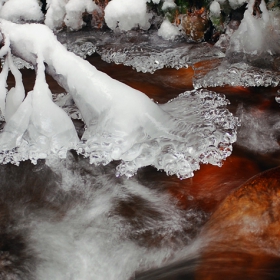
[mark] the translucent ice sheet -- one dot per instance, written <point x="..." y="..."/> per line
<point x="144" y="51"/>
<point x="234" y="74"/>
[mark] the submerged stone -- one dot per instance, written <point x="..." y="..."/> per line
<point x="243" y="234"/>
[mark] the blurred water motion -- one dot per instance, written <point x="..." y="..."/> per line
<point x="241" y="238"/>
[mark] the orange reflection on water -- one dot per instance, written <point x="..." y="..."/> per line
<point x="211" y="184"/>
<point x="235" y="89"/>
<point x="237" y="265"/>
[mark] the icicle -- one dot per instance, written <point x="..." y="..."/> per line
<point x="16" y="94"/>
<point x="50" y="129"/>
<point x="6" y="48"/>
<point x="38" y="128"/>
<point x="3" y="87"/>
<point x="13" y="132"/>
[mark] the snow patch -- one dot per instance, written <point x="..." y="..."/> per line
<point x="127" y="15"/>
<point x="20" y="11"/>
<point x="168" y="31"/>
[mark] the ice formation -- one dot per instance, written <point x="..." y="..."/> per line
<point x="167" y="4"/>
<point x="17" y="11"/>
<point x="3" y="88"/>
<point x="69" y="12"/>
<point x="31" y="132"/>
<point x="168" y="31"/>
<point x="251" y="53"/>
<point x="256" y="33"/>
<point x="55" y="13"/>
<point x="215" y="8"/>
<point x="121" y="123"/>
<point x="127" y="14"/>
<point x="236" y="3"/>
<point x="74" y="10"/>
<point x="234" y="74"/>
<point x="15" y="95"/>
<point x="144" y="52"/>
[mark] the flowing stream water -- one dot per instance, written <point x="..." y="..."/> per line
<point x="68" y="219"/>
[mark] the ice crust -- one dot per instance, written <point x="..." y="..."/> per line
<point x="143" y="51"/>
<point x="201" y="112"/>
<point x="202" y="131"/>
<point x="236" y="74"/>
<point x="256" y="39"/>
<point x="121" y="123"/>
<point x="251" y="54"/>
<point x="147" y="52"/>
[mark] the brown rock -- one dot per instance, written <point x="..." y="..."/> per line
<point x="243" y="235"/>
<point x="195" y="24"/>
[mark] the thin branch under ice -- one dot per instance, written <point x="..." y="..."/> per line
<point x="123" y="123"/>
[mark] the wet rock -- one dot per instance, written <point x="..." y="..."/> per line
<point x="196" y="24"/>
<point x="243" y="234"/>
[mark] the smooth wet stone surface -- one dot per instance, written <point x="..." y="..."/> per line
<point x="244" y="233"/>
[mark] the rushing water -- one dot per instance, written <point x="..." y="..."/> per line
<point x="67" y="219"/>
